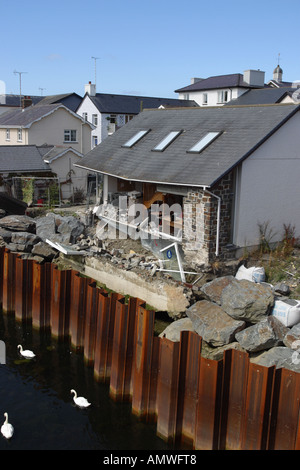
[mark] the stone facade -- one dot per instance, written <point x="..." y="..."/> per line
<point x="201" y="221"/>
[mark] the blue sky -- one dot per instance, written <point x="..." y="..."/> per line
<point x="144" y="47"/>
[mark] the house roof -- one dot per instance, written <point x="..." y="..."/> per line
<point x="26" y="117"/>
<point x="52" y="152"/>
<point x="128" y="104"/>
<point x="261" y="96"/>
<point x="217" y="81"/>
<point x="243" y="129"/>
<point x="21" y="159"/>
<point x="70" y="100"/>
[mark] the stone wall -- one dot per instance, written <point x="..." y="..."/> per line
<point x="200" y="221"/>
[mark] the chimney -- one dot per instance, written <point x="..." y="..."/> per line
<point x="195" y="80"/>
<point x="26" y="101"/>
<point x="90" y="88"/>
<point x="254" y="78"/>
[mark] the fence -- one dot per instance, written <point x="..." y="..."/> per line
<point x="227" y="404"/>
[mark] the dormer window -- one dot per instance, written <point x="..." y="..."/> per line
<point x="166" y="141"/>
<point x="204" y="142"/>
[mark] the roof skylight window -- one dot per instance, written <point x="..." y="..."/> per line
<point x="135" y="138"/>
<point x="166" y="141"/>
<point x="204" y="142"/>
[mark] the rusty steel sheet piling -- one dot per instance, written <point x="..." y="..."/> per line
<point x="133" y="303"/>
<point x="152" y="394"/>
<point x="167" y="389"/>
<point x="23" y="288"/>
<point x="207" y="423"/>
<point x="1" y="274"/>
<point x="101" y="371"/>
<point x="114" y="297"/>
<point x="90" y="327"/>
<point x="190" y="353"/>
<point x="77" y="309"/>
<point x="256" y="420"/>
<point x="236" y="364"/>
<point x="8" y="292"/>
<point x="60" y="301"/>
<point x="141" y="370"/>
<point x="284" y="427"/>
<point x="118" y="360"/>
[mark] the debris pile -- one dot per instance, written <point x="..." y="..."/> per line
<point x="241" y="314"/>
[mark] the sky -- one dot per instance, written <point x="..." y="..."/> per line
<point x="142" y="47"/>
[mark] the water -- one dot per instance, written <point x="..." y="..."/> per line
<point x="36" y="395"/>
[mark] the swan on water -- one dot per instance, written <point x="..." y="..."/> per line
<point x="27" y="353"/>
<point x="7" y="429"/>
<point x="80" y="401"/>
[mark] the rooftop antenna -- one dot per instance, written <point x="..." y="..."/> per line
<point x="20" y="78"/>
<point x="42" y="90"/>
<point x="95" y="58"/>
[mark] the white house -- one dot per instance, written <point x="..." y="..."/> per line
<point x="109" y="112"/>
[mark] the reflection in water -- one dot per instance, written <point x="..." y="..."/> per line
<point x="36" y="394"/>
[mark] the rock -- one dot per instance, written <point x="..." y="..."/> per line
<point x="265" y="334"/>
<point x="172" y="332"/>
<point x="213" y="324"/>
<point x="18" y="223"/>
<point x="216" y="354"/>
<point x="16" y="247"/>
<point x="71" y="226"/>
<point x="292" y="338"/>
<point x="25" y="238"/>
<point x="247" y="301"/>
<point x="2" y="213"/>
<point x="45" y="227"/>
<point x="280" y="357"/>
<point x="44" y="250"/>
<point x="282" y="289"/>
<point x="213" y="289"/>
<point x="5" y="235"/>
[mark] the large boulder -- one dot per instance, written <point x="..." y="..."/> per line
<point x="213" y="290"/>
<point x="247" y="301"/>
<point x="212" y="323"/>
<point x="18" y="223"/>
<point x="292" y="337"/>
<point x="266" y="334"/>
<point x="280" y="357"/>
<point x="173" y="331"/>
<point x="59" y="228"/>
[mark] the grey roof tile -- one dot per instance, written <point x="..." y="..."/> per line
<point x="243" y="128"/>
<point x="21" y="158"/>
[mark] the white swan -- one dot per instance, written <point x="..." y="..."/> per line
<point x="7" y="429"/>
<point x="27" y="353"/>
<point x="80" y="401"/>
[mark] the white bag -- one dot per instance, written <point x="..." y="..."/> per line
<point x="250" y="274"/>
<point x="287" y="311"/>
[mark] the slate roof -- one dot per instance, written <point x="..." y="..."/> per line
<point x="261" y="96"/>
<point x="21" y="159"/>
<point x="128" y="104"/>
<point x="26" y="117"/>
<point x="70" y="100"/>
<point x="243" y="129"/>
<point x="218" y="81"/>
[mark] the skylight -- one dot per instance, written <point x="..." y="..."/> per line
<point x="204" y="142"/>
<point x="166" y="141"/>
<point x="136" y="138"/>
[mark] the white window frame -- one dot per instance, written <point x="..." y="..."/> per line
<point x="85" y="116"/>
<point x="95" y="119"/>
<point x="69" y="135"/>
<point x="204" y="99"/>
<point x="223" y="96"/>
<point x="20" y="135"/>
<point x="95" y="140"/>
<point x="7" y="134"/>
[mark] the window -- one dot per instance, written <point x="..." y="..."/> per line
<point x="222" y="96"/>
<point x="95" y="119"/>
<point x="166" y="141"/>
<point x="70" y="135"/>
<point x="7" y="134"/>
<point x="204" y="142"/>
<point x="85" y="116"/>
<point x="204" y="98"/>
<point x="20" y="135"/>
<point x="113" y="118"/>
<point x="135" y="138"/>
<point x="128" y="118"/>
<point x="186" y="96"/>
<point x="95" y="141"/>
